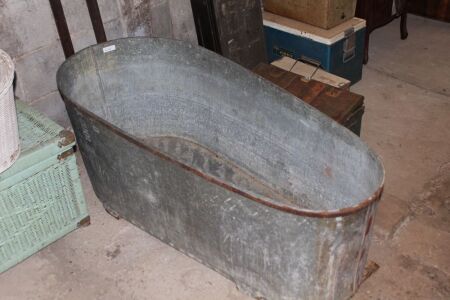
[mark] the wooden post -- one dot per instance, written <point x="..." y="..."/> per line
<point x="96" y="19"/>
<point x="61" y="26"/>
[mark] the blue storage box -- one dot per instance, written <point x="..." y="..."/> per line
<point x="339" y="50"/>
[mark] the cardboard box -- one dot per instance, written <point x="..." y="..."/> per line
<point x="322" y="13"/>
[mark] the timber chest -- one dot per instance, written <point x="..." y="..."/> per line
<point x="344" y="107"/>
<point x="41" y="198"/>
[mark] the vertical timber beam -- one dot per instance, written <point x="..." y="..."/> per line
<point x="61" y="26"/>
<point x="96" y="19"/>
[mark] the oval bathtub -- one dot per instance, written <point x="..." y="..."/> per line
<point x="224" y="166"/>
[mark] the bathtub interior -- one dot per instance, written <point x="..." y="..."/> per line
<point x="156" y="88"/>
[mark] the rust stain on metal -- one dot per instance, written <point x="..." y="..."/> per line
<point x="67" y="138"/>
<point x="84" y="222"/>
<point x="66" y="154"/>
<point x="370" y="268"/>
<point x="328" y="172"/>
<point x="334" y="92"/>
<point x="111" y="212"/>
<point x="288" y="209"/>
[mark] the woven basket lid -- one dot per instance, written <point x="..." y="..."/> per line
<point x="6" y="72"/>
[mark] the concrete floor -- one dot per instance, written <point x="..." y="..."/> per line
<point x="407" y="121"/>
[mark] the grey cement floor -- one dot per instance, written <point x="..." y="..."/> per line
<point x="407" y="121"/>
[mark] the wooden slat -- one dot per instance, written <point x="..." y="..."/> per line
<point x="61" y="26"/>
<point x="96" y="19"/>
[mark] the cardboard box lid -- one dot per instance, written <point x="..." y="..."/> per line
<point x="324" y="36"/>
<point x="311" y="72"/>
<point x="40" y="139"/>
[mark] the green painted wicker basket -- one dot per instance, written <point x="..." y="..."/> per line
<point x="41" y="198"/>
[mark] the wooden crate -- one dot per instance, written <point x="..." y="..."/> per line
<point x="322" y="13"/>
<point x="344" y="107"/>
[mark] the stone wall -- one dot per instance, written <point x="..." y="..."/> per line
<point x="28" y="33"/>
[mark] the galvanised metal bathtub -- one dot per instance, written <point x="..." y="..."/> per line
<point x="224" y="166"/>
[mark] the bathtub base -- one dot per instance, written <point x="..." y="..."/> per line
<point x="112" y="212"/>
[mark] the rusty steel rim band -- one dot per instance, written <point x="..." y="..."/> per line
<point x="251" y="196"/>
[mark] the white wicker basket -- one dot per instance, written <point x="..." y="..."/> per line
<point x="9" y="135"/>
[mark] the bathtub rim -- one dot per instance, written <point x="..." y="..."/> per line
<point x="244" y="193"/>
<point x="291" y="209"/>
